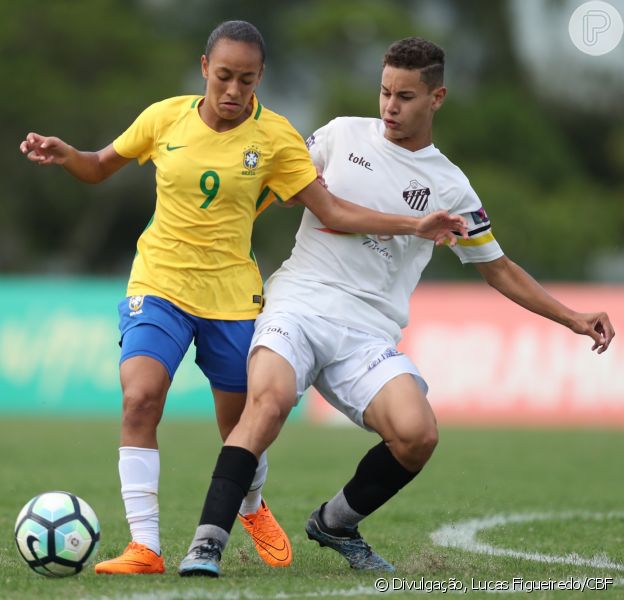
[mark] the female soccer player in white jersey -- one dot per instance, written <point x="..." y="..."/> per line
<point x="220" y="160"/>
<point x="335" y="308"/>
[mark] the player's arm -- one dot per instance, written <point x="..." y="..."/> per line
<point x="91" y="167"/>
<point x="342" y="215"/>
<point x="514" y="282"/>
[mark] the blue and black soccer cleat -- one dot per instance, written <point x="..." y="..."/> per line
<point x="346" y="541"/>
<point x="202" y="559"/>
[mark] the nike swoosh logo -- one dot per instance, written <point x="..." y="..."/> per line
<point x="30" y="544"/>
<point x="277" y="553"/>
<point x="170" y="148"/>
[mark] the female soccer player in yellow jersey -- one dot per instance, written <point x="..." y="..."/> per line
<point x="220" y="160"/>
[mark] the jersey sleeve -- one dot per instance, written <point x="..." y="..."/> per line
<point x="317" y="146"/>
<point x="293" y="169"/>
<point x="481" y="246"/>
<point x="138" y="140"/>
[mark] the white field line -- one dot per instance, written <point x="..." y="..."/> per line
<point x="463" y="535"/>
<point x="204" y="593"/>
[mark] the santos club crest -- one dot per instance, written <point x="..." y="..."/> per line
<point x="251" y="160"/>
<point x="416" y="195"/>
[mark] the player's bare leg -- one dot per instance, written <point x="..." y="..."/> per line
<point x="270" y="540"/>
<point x="403" y="418"/>
<point x="145" y="382"/>
<point x="228" y="409"/>
<point x="401" y="414"/>
<point x="271" y="395"/>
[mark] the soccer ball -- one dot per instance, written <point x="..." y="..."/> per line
<point x="57" y="533"/>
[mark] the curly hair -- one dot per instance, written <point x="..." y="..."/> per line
<point x="417" y="53"/>
<point x="238" y="31"/>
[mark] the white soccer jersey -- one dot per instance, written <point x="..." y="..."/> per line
<point x="366" y="281"/>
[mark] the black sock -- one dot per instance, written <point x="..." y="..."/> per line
<point x="231" y="479"/>
<point x="378" y="477"/>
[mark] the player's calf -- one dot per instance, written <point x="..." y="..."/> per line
<point x="231" y="479"/>
<point x="378" y="477"/>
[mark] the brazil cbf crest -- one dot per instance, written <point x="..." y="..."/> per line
<point x="251" y="160"/>
<point x="135" y="304"/>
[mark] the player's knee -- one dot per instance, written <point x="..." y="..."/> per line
<point x="270" y="405"/>
<point x="429" y="440"/>
<point x="141" y="407"/>
<point x="414" y="447"/>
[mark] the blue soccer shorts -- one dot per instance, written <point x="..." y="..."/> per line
<point x="151" y="326"/>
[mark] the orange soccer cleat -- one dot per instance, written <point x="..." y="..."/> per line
<point x="271" y="541"/>
<point x="136" y="559"/>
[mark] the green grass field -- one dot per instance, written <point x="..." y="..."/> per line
<point x="566" y="488"/>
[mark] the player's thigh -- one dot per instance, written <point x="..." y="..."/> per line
<point x="222" y="350"/>
<point x="400" y="411"/>
<point x="270" y="397"/>
<point x="228" y="409"/>
<point x="272" y="379"/>
<point x="282" y="361"/>
<point x="359" y="372"/>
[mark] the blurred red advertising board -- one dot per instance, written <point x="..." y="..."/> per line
<point x="488" y="361"/>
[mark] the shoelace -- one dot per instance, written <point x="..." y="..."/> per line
<point x="207" y="550"/>
<point x="267" y="524"/>
<point x="361" y="542"/>
<point x="136" y="547"/>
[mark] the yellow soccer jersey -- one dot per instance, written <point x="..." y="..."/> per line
<point x="210" y="186"/>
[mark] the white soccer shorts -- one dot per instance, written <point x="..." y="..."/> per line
<point x="348" y="367"/>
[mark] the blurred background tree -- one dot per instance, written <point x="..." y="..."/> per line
<point x="536" y="126"/>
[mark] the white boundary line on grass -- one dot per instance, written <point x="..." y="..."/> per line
<point x="205" y="593"/>
<point x="463" y="535"/>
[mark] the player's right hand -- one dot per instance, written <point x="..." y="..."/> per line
<point x="597" y="326"/>
<point x="45" y="150"/>
<point x="442" y="228"/>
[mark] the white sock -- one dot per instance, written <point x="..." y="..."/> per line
<point x="338" y="513"/>
<point x="251" y="502"/>
<point x="139" y="470"/>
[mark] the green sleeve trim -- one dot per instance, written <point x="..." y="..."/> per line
<point x="149" y="223"/>
<point x="261" y="198"/>
<point x="196" y="101"/>
<point x="258" y="111"/>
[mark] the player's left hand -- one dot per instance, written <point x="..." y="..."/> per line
<point x="597" y="326"/>
<point x="442" y="227"/>
<point x="320" y="178"/>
